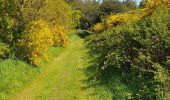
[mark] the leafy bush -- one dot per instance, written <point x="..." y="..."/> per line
<point x="75" y="16"/>
<point x="138" y="50"/>
<point x="4" y="50"/>
<point x="60" y="37"/>
<point x="34" y="41"/>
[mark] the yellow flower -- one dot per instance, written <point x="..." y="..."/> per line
<point x="35" y="40"/>
<point x="60" y="37"/>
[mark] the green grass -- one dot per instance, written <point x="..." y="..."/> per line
<point x="15" y="75"/>
<point x="109" y="88"/>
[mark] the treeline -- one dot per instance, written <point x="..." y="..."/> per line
<point x="93" y="11"/>
<point x="131" y="52"/>
<point x="29" y="27"/>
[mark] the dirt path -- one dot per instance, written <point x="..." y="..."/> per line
<point x="63" y="79"/>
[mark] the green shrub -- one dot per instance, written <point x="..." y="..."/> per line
<point x="4" y="50"/>
<point x="139" y="51"/>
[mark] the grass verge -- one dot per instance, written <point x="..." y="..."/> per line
<point x="15" y="75"/>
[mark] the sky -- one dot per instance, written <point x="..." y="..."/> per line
<point x="138" y="1"/>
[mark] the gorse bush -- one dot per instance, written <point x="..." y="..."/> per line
<point x="60" y="36"/>
<point x="98" y="27"/>
<point x="34" y="41"/>
<point x="16" y="16"/>
<point x="25" y="35"/>
<point x="119" y="19"/>
<point x="139" y="50"/>
<point x="123" y="18"/>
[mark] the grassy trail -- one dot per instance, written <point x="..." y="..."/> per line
<point x="63" y="79"/>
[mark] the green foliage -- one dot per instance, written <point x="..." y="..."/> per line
<point x="75" y="15"/>
<point x="138" y="50"/>
<point x="83" y="33"/>
<point x="9" y="14"/>
<point x="124" y="18"/>
<point x="16" y="19"/>
<point x="4" y="50"/>
<point x="90" y="14"/>
<point x="114" y="6"/>
<point x="143" y="3"/>
<point x="57" y="12"/>
<point x="53" y="11"/>
<point x="130" y="4"/>
<point x="94" y="11"/>
<point x="18" y="14"/>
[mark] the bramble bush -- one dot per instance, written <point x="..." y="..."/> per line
<point x="34" y="41"/>
<point x="139" y="50"/>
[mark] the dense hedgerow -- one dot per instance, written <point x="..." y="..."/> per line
<point x="35" y="40"/>
<point x="123" y="18"/>
<point x="139" y="50"/>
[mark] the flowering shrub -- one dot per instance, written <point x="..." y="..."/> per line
<point x="34" y="41"/>
<point x="60" y="36"/>
<point x="139" y="52"/>
<point x="118" y="19"/>
<point x="98" y="27"/>
<point x="124" y="18"/>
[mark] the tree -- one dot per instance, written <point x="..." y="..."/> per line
<point x="130" y="4"/>
<point x="93" y="11"/>
<point x="112" y="6"/>
<point x="143" y="3"/>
